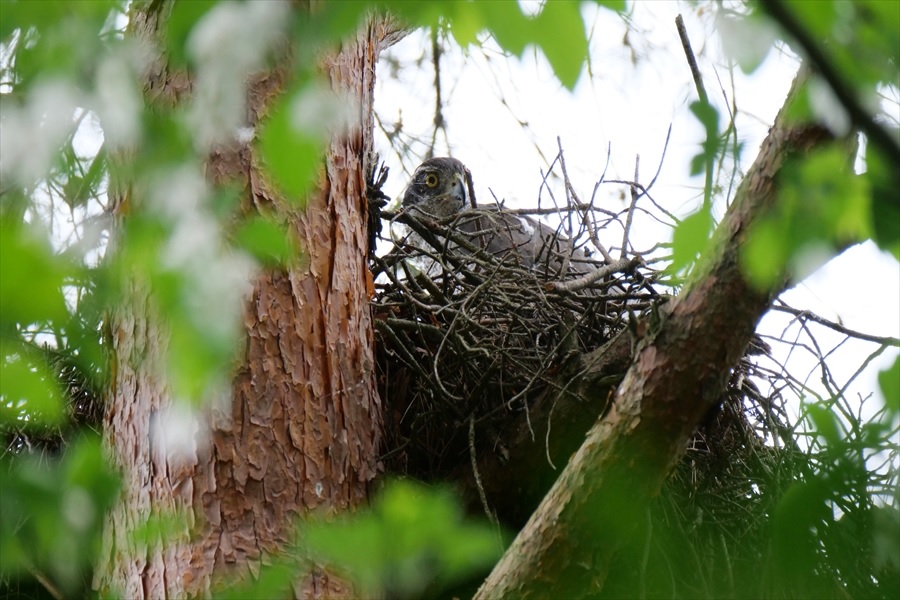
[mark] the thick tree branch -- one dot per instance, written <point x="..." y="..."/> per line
<point x="678" y="373"/>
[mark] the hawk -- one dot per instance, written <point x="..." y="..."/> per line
<point x="441" y="188"/>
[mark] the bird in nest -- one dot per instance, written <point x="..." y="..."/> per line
<point x="441" y="188"/>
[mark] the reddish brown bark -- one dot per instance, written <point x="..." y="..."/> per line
<point x="301" y="426"/>
<point x="677" y="374"/>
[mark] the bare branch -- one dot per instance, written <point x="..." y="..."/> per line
<point x="623" y="265"/>
<point x="807" y="315"/>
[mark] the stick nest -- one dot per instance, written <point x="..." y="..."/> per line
<point x="468" y="331"/>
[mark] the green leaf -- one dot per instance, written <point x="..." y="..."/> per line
<point x="64" y="37"/>
<point x="690" y="238"/>
<point x="799" y="511"/>
<point x="53" y="513"/>
<point x="831" y="197"/>
<point x="889" y="381"/>
<point x="709" y="118"/>
<point x="29" y="390"/>
<point x="79" y="190"/>
<point x="818" y="18"/>
<point x="194" y="361"/>
<point x="886" y="538"/>
<point x="422" y="14"/>
<point x="560" y="32"/>
<point x="747" y="39"/>
<point x="821" y="206"/>
<point x="765" y="253"/>
<point x="417" y="535"/>
<point x="291" y="151"/>
<point x="884" y="182"/>
<point x="334" y="20"/>
<point x="825" y="423"/>
<point x="275" y="580"/>
<point x="613" y="5"/>
<point x="31" y="277"/>
<point x="269" y="241"/>
<point x="468" y="20"/>
<point x="799" y="109"/>
<point x="184" y="16"/>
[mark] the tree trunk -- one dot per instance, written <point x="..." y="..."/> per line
<point x="678" y="373"/>
<point x="301" y="426"/>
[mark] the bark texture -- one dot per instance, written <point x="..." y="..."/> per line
<point x="300" y="428"/>
<point x="677" y="374"/>
<point x="153" y="479"/>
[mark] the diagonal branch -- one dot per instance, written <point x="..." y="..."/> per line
<point x="678" y="373"/>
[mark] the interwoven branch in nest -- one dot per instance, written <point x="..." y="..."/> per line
<point x="474" y="320"/>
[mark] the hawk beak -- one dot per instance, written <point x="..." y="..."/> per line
<point x="460" y="191"/>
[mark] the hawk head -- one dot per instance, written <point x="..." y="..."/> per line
<point x="440" y="187"/>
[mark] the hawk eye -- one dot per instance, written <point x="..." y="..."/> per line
<point x="431" y="180"/>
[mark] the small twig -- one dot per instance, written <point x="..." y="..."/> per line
<point x="854" y="421"/>
<point x="805" y="314"/>
<point x="630" y="215"/>
<point x="730" y="131"/>
<point x="544" y="177"/>
<point x="438" y="102"/>
<point x="547" y="437"/>
<point x="47" y="584"/>
<point x="473" y="457"/>
<point x="603" y="174"/>
<point x="571" y="195"/>
<point x="619" y="266"/>
<point x="692" y="61"/>
<point x="662" y="158"/>
<point x="704" y="98"/>
<point x="570" y="190"/>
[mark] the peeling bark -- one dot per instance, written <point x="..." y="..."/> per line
<point x="677" y="374"/>
<point x="155" y="482"/>
<point x="300" y="428"/>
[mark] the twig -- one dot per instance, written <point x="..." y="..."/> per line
<point x="571" y="190"/>
<point x="731" y="130"/>
<point x="692" y="61"/>
<point x="45" y="581"/>
<point x="438" y="102"/>
<point x="473" y="457"/>
<point x="704" y="98"/>
<point x="630" y="215"/>
<point x="662" y="158"/>
<point x="619" y="266"/>
<point x="805" y="314"/>
<point x="547" y="436"/>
